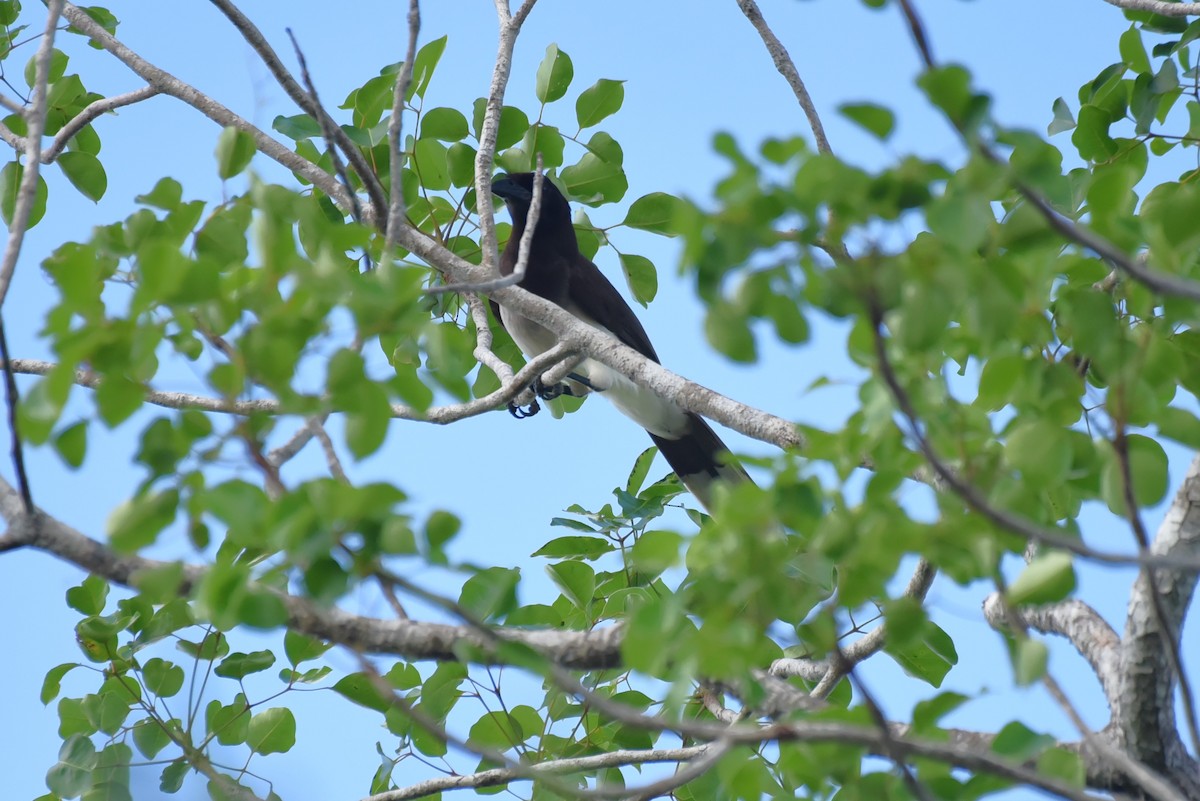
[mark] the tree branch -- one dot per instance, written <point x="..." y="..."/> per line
<point x="35" y="123"/>
<point x="308" y="103"/>
<point x="168" y="84"/>
<point x="557" y="767"/>
<point x="1167" y="9"/>
<point x="396" y="210"/>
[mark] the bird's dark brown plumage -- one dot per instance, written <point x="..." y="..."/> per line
<point x="557" y="271"/>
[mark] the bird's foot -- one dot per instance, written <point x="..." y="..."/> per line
<point x="550" y="392"/>
<point x="521" y="412"/>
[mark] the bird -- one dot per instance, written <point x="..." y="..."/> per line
<point x="557" y="271"/>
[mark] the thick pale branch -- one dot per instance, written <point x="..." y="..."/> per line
<point x="510" y="26"/>
<point x="1091" y="635"/>
<point x="1167" y="9"/>
<point x="414" y="640"/>
<point x="1145" y="712"/>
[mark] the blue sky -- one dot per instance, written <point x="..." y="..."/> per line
<point x="689" y="74"/>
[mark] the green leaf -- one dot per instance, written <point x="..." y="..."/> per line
<point x="57" y="67"/>
<point x="641" y="276"/>
<point x="1029" y="661"/>
<point x="85" y="172"/>
<point x="876" y="120"/>
<point x="89" y="597"/>
<point x="598" y="101"/>
<point x="554" y="75"/>
<point x="234" y="151"/>
<point x="10" y="182"/>
<point x="657" y="212"/>
<point x="586" y="548"/>
<point x="499" y="730"/>
<point x="928" y="658"/>
<point x="641" y="469"/>
<point x="272" y="731"/>
<point x="137" y="523"/>
<point x="229" y="722"/>
<point x="1148" y="469"/>
<point x="423" y="66"/>
<point x="301" y="648"/>
<point x="1133" y="52"/>
<point x="150" y="737"/>
<point x="1042" y="452"/>
<point x="1063" y="120"/>
<point x="1048" y="578"/>
<point x="577" y="582"/>
<point x="1091" y="137"/>
<point x="1020" y="743"/>
<point x="729" y="332"/>
<point x="239" y="665"/>
<point x="447" y="124"/>
<point x="491" y="593"/>
<point x="71" y="443"/>
<point x="298" y="127"/>
<point x="162" y="678"/>
<point x="72" y="774"/>
<point x="52" y="684"/>
<point x="655" y="551"/>
<point x="359" y="688"/>
<point x="430" y="160"/>
<point x="172" y="776"/>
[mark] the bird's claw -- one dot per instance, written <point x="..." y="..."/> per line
<point x="550" y="392"/>
<point x="521" y="412"/>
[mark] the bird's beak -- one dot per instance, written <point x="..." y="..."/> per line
<point x="509" y="189"/>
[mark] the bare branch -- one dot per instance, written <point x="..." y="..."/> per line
<point x="787" y="68"/>
<point x="829" y="672"/>
<point x="502" y="776"/>
<point x="396" y="210"/>
<point x="168" y="84"/>
<point x="1091" y="635"/>
<point x="518" y="273"/>
<point x="35" y="124"/>
<point x="1168" y="9"/>
<point x="510" y="26"/>
<point x="310" y="104"/>
<point x="483" y="352"/>
<point x="331" y="457"/>
<point x="90" y="112"/>
<point x="288" y="450"/>
<point x="12" y="398"/>
<point x="434" y="414"/>
<point x="596" y="649"/>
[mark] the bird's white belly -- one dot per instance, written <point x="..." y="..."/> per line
<point x="651" y="412"/>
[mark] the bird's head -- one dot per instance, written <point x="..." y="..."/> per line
<point x="516" y="189"/>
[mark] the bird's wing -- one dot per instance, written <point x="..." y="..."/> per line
<point x="598" y="301"/>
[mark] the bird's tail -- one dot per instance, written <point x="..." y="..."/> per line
<point x="699" y="458"/>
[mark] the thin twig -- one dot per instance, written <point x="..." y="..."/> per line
<point x="526" y="244"/>
<point x="396" y="209"/>
<point x="890" y="745"/>
<point x="12" y="398"/>
<point x="332" y="461"/>
<point x="328" y="129"/>
<point x="307" y="102"/>
<point x="170" y="85"/>
<point x="440" y="415"/>
<point x="90" y="112"/>
<point x="787" y="68"/>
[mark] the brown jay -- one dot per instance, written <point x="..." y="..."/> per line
<point x="557" y="271"/>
